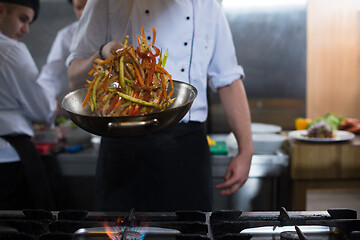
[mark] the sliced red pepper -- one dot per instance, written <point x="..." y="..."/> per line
<point x="138" y="108"/>
<point x="114" y="102"/>
<point x="132" y="108"/>
<point x="151" y="71"/>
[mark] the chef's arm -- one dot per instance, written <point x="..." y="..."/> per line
<point x="234" y="100"/>
<point x="79" y="68"/>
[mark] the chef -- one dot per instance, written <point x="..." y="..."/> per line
<point x="23" y="101"/>
<point x="55" y="68"/>
<point x="169" y="170"/>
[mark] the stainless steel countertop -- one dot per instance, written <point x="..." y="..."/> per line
<point x="83" y="163"/>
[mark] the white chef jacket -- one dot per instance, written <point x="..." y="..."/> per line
<point x="55" y="69"/>
<point x="23" y="98"/>
<point x="195" y="32"/>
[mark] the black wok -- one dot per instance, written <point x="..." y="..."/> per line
<point x="184" y="93"/>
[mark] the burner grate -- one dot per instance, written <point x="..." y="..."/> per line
<point x="185" y="225"/>
<point x="341" y="222"/>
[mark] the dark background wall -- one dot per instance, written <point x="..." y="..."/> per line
<point x="54" y="15"/>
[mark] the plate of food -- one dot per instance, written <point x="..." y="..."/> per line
<point x="321" y="132"/>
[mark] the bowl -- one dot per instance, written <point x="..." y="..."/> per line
<point x="265" y="128"/>
<point x="267" y="143"/>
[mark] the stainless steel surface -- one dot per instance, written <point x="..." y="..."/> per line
<point x="184" y="95"/>
<point x="270" y="43"/>
<point x="271" y="165"/>
<point x="139" y="229"/>
<point x="266" y="189"/>
<point x="80" y="164"/>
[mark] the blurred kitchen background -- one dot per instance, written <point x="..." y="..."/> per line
<point x="270" y="42"/>
<point x="301" y="59"/>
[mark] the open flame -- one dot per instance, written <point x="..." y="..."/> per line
<point x="124" y="232"/>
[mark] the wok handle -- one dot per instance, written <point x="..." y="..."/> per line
<point x="146" y="123"/>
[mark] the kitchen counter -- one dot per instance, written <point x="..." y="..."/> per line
<point x="82" y="163"/>
<point x="316" y="165"/>
<point x="262" y="191"/>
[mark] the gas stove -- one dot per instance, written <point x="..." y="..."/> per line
<point x="184" y="225"/>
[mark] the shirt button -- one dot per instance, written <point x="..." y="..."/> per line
<point x="187" y="18"/>
<point x="185" y="43"/>
<point x="183" y="69"/>
<point x="147" y="11"/>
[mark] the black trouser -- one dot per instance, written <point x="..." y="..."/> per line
<point x="32" y="180"/>
<point x="14" y="191"/>
<point x="165" y="171"/>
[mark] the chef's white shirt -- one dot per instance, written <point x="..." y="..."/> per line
<point x="55" y="69"/>
<point x="195" y="32"/>
<point x="23" y="98"/>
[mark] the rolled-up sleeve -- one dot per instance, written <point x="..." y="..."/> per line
<point x="223" y="68"/>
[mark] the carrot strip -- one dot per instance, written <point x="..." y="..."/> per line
<point x="154" y="36"/>
<point x="107" y="60"/>
<point x="172" y="86"/>
<point x="142" y="31"/>
<point x="138" y="74"/>
<point x="92" y="70"/>
<point x="163" y="85"/>
<point x="87" y="97"/>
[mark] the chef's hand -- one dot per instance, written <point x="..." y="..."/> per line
<point x="79" y="68"/>
<point x="236" y="174"/>
<point x="234" y="101"/>
<point x="107" y="48"/>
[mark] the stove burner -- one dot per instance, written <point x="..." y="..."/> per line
<point x="289" y="235"/>
<point x="335" y="224"/>
<point x="300" y="233"/>
<point x="127" y="234"/>
<point x="293" y="235"/>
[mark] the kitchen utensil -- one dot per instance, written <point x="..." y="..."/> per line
<point x="184" y="95"/>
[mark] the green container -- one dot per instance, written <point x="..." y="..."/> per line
<point x="219" y="148"/>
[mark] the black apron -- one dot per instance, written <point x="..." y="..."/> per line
<point x="34" y="170"/>
<point x="165" y="171"/>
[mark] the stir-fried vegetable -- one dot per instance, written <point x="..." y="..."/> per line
<point x="131" y="82"/>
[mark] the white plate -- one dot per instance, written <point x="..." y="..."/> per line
<point x="264" y="128"/>
<point x="339" y="136"/>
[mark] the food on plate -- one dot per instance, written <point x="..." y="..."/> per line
<point x="131" y="82"/>
<point x="331" y="119"/>
<point x="320" y="130"/>
<point x="350" y="125"/>
<point x="302" y="123"/>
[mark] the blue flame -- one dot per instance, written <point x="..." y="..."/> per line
<point x="117" y="230"/>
